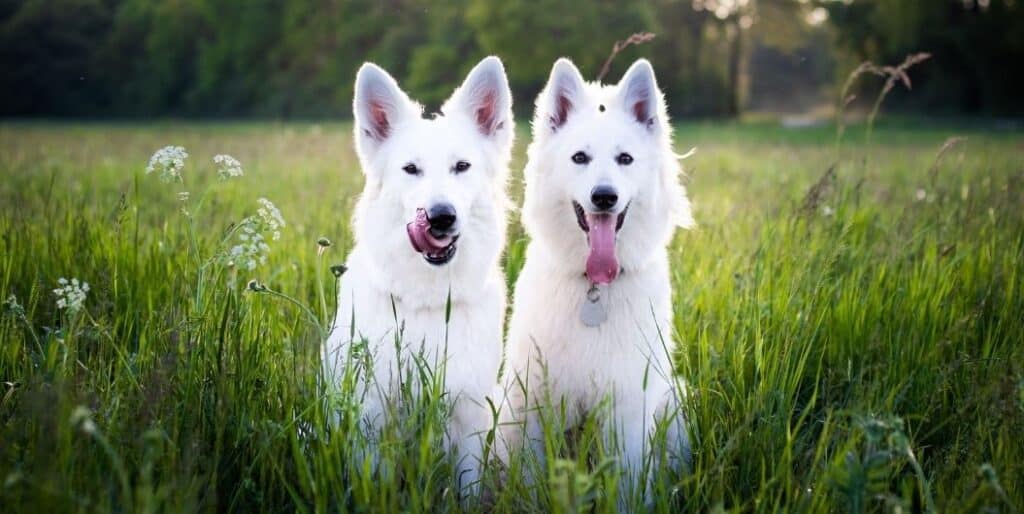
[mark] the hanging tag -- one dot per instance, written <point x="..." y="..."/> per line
<point x="592" y="313"/>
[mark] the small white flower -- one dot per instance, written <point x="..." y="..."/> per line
<point x="251" y="249"/>
<point x="921" y="194"/>
<point x="12" y="307"/>
<point x="227" y="166"/>
<point x="169" y="161"/>
<point x="70" y="294"/>
<point x="183" y="196"/>
<point x="271" y="217"/>
<point x="827" y="211"/>
<point x="81" y="417"/>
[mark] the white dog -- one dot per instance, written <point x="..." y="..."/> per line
<point x="429" y="230"/>
<point x="592" y="315"/>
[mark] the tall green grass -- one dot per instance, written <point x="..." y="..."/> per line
<point x="852" y="340"/>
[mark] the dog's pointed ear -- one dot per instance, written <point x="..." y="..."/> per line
<point x="486" y="99"/>
<point x="379" y="105"/>
<point x="639" y="94"/>
<point x="561" y="96"/>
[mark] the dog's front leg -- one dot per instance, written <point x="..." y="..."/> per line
<point x="627" y="435"/>
<point x="673" y="451"/>
<point x="467" y="429"/>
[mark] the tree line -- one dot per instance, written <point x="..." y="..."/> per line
<point x="297" y="58"/>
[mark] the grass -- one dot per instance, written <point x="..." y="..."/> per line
<point x="853" y="340"/>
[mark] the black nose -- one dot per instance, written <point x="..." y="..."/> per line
<point x="441" y="216"/>
<point x="604" y="197"/>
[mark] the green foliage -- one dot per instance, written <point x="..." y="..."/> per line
<point x="519" y="30"/>
<point x="297" y="59"/>
<point x="973" y="43"/>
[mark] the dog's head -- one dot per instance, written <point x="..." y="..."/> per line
<point x="435" y="187"/>
<point x="602" y="178"/>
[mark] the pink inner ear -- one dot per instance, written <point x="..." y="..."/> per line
<point x="381" y="125"/>
<point x="486" y="113"/>
<point x="640" y="111"/>
<point x="562" y="107"/>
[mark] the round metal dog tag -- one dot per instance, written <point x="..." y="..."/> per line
<point x="592" y="313"/>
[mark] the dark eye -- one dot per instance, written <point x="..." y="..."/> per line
<point x="624" y="159"/>
<point x="411" y="169"/>
<point x="461" y="166"/>
<point x="580" y="158"/>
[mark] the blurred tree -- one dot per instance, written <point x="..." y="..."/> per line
<point x="297" y="58"/>
<point x="688" y="77"/>
<point x="313" y="65"/>
<point x="47" y="48"/>
<point x="530" y="35"/>
<point x="436" y="68"/>
<point x="976" y="45"/>
<point x="790" y="62"/>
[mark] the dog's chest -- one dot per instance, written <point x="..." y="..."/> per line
<point x="466" y="337"/>
<point x="558" y="316"/>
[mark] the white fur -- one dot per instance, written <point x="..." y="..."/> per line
<point x="389" y="288"/>
<point x="552" y="356"/>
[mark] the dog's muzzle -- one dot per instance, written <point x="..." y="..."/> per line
<point x="434" y="233"/>
<point x="581" y="217"/>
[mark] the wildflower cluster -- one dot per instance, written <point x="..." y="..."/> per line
<point x="12" y="307"/>
<point x="227" y="167"/>
<point x="270" y="216"/>
<point x="169" y="161"/>
<point x="70" y="294"/>
<point x="253" y="233"/>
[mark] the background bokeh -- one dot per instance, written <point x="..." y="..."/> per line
<point x="297" y="58"/>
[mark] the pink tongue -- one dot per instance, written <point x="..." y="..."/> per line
<point x="419" y="234"/>
<point x="602" y="266"/>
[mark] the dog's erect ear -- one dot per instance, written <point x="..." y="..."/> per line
<point x="562" y="95"/>
<point x="638" y="92"/>
<point x="486" y="98"/>
<point x="379" y="105"/>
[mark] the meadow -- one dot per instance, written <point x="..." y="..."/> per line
<point x="848" y="315"/>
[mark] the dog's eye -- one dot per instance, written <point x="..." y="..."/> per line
<point x="411" y="169"/>
<point x="461" y="166"/>
<point x="580" y="158"/>
<point x="624" y="159"/>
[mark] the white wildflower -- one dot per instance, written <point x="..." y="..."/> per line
<point x="183" y="196"/>
<point x="70" y="294"/>
<point x="81" y="418"/>
<point x="169" y="161"/>
<point x="252" y="249"/>
<point x="921" y="194"/>
<point x="227" y="166"/>
<point x="827" y="211"/>
<point x="11" y="306"/>
<point x="271" y="217"/>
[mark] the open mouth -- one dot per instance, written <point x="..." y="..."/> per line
<point x="442" y="255"/>
<point x="581" y="217"/>
<point x="437" y="248"/>
<point x="601" y="229"/>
